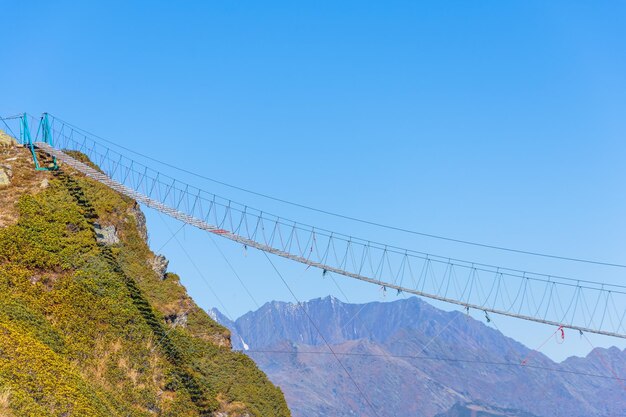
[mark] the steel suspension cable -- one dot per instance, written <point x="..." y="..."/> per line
<point x="439" y="358"/>
<point x="375" y="245"/>
<point x="352" y="218"/>
<point x="178" y="195"/>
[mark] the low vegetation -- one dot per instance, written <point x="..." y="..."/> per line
<point x="93" y="330"/>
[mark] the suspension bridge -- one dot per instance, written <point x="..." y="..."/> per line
<point x="585" y="305"/>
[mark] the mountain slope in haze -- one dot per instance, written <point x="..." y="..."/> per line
<point x="412" y="359"/>
<point x="90" y="322"/>
<point x="479" y="410"/>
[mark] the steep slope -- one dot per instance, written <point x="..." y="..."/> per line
<point x="90" y="322"/>
<point x="412" y="359"/>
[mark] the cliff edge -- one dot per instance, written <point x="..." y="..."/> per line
<point x="91" y="324"/>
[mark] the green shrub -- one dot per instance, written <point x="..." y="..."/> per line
<point x="82" y="329"/>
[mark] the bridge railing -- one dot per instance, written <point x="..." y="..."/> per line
<point x="25" y="129"/>
<point x="11" y="126"/>
<point x="586" y="305"/>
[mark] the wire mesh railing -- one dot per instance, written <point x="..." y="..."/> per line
<point x="586" y="305"/>
<point x="11" y="126"/>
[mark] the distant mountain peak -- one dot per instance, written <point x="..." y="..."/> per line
<point x="409" y="349"/>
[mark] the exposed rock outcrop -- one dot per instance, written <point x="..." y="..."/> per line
<point x="106" y="234"/>
<point x="140" y="220"/>
<point x="6" y="140"/>
<point x="176" y="320"/>
<point x="159" y="265"/>
<point x="6" y="173"/>
<point x="5" y="178"/>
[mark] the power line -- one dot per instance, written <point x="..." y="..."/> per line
<point x="322" y="336"/>
<point x="424" y="347"/>
<point x="352" y="218"/>
<point x="609" y="368"/>
<point x="232" y="268"/>
<point x="438" y="358"/>
<point x="268" y="310"/>
<point x="158" y="251"/>
<point x="190" y="258"/>
<point x="419" y="356"/>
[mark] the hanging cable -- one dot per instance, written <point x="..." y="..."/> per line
<point x="190" y="258"/>
<point x="440" y="358"/>
<point x="351" y="218"/>
<point x="170" y="238"/>
<point x="232" y="268"/>
<point x="311" y="235"/>
<point x="367" y="401"/>
<point x="524" y="361"/>
<point x="391" y="249"/>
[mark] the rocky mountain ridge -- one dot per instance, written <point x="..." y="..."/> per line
<point x="416" y="360"/>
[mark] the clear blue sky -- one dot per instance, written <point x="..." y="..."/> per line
<point x="500" y="122"/>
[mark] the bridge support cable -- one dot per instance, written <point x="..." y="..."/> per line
<point x="552" y="300"/>
<point x="63" y="125"/>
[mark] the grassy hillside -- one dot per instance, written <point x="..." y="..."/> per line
<point x="88" y="329"/>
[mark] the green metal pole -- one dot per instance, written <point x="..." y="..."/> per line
<point x="27" y="140"/>
<point x="25" y="131"/>
<point x="47" y="137"/>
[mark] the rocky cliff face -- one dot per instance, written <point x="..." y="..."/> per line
<point x="91" y="326"/>
<point x="415" y="360"/>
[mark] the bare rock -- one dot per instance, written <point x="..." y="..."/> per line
<point x="6" y="140"/>
<point x="106" y="235"/>
<point x="44" y="183"/>
<point x="176" y="320"/>
<point x="140" y="220"/>
<point x="218" y="339"/>
<point x="159" y="265"/>
<point x="8" y="169"/>
<point x="6" y="173"/>
<point x="230" y="408"/>
<point x="5" y="178"/>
